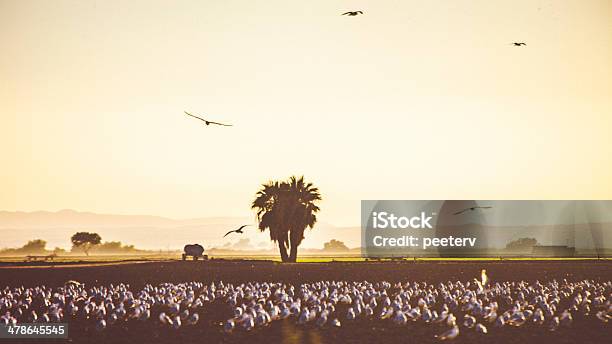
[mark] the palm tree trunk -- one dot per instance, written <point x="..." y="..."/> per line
<point x="283" y="251"/>
<point x="294" y="243"/>
<point x="293" y="252"/>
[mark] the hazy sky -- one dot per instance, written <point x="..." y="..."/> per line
<point x="413" y="100"/>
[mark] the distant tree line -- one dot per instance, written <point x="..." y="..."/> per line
<point x="82" y="242"/>
<point x="36" y="246"/>
<point x="522" y="244"/>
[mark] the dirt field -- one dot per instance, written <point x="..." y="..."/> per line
<point x="209" y="328"/>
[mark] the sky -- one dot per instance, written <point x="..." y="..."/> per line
<point x="412" y="100"/>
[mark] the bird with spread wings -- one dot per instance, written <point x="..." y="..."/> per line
<point x="207" y="121"/>
<point x="352" y="13"/>
<point x="518" y="44"/>
<point x="239" y="230"/>
<point x="470" y="209"/>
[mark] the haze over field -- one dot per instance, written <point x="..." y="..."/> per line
<point x="152" y="232"/>
<point x="160" y="233"/>
<point x="411" y="100"/>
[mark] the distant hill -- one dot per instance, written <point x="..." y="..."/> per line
<point x="68" y="217"/>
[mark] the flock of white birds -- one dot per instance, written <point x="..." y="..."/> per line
<point x="478" y="305"/>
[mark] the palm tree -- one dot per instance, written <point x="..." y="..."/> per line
<point x="286" y="209"/>
<point x="302" y="202"/>
<point x="270" y="215"/>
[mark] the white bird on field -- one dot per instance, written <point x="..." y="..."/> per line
<point x="450" y="334"/>
<point x="469" y="321"/>
<point x="554" y="324"/>
<point x="480" y="328"/>
<point x="322" y="318"/>
<point x="101" y="325"/>
<point x="193" y="319"/>
<point x="400" y="318"/>
<point x="229" y="326"/>
<point x="350" y="314"/>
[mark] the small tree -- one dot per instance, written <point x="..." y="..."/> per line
<point x="85" y="241"/>
<point x="34" y="246"/>
<point x="522" y="244"/>
<point x="335" y="245"/>
<point x="59" y="250"/>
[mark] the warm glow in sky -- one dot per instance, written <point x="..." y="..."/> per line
<point x="413" y="100"/>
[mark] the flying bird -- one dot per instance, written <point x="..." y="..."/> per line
<point x="239" y="230"/>
<point x="518" y="44"/>
<point x="206" y="121"/>
<point x="470" y="208"/>
<point x="352" y="13"/>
